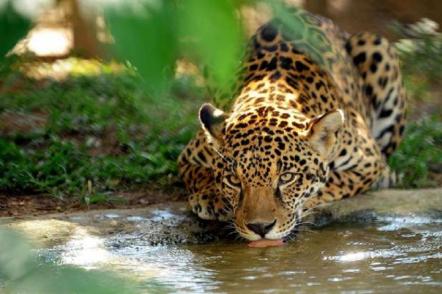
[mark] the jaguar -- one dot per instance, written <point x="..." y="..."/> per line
<point x="317" y="114"/>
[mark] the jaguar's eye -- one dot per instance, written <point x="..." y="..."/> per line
<point x="232" y="181"/>
<point x="286" y="178"/>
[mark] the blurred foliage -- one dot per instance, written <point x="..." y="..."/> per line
<point x="420" y="51"/>
<point x="420" y="149"/>
<point x="300" y="27"/>
<point x="22" y="272"/>
<point x="421" y="48"/>
<point x="211" y="33"/>
<point x="13" y="27"/>
<point x="153" y="34"/>
<point x="145" y="34"/>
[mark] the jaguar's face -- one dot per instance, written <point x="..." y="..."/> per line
<point x="267" y="172"/>
<point x="267" y="196"/>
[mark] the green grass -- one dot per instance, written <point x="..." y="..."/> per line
<point x="420" y="148"/>
<point x="103" y="133"/>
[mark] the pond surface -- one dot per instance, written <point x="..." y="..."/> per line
<point x="398" y="255"/>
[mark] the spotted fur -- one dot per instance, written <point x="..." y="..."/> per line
<point x="307" y="127"/>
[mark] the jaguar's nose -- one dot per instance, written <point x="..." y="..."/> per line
<point x="261" y="228"/>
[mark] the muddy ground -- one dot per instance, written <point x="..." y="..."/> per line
<point x="40" y="204"/>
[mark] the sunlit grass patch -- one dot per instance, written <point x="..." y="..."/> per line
<point x="96" y="133"/>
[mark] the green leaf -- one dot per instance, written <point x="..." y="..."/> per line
<point x="22" y="272"/>
<point x="301" y="27"/>
<point x="13" y="27"/>
<point x="211" y="33"/>
<point x="144" y="33"/>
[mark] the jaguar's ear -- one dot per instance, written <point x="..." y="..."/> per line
<point x="323" y="131"/>
<point x="212" y="120"/>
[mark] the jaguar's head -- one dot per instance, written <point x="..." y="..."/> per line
<point x="270" y="163"/>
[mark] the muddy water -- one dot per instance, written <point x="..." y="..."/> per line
<point x="398" y="255"/>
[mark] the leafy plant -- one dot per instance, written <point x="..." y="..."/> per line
<point x="420" y="48"/>
<point x="153" y="34"/>
<point x="420" y="148"/>
<point x="23" y="272"/>
<point x="421" y="59"/>
<point x="13" y="27"/>
<point x="145" y="34"/>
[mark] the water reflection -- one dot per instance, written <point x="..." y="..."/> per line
<point x="337" y="258"/>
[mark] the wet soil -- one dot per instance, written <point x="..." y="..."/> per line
<point x="41" y="204"/>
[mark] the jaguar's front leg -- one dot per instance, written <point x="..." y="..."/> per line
<point x="195" y="167"/>
<point x="208" y="204"/>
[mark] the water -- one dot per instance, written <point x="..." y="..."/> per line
<point x="400" y="255"/>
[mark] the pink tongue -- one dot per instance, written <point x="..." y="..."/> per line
<point x="265" y="243"/>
